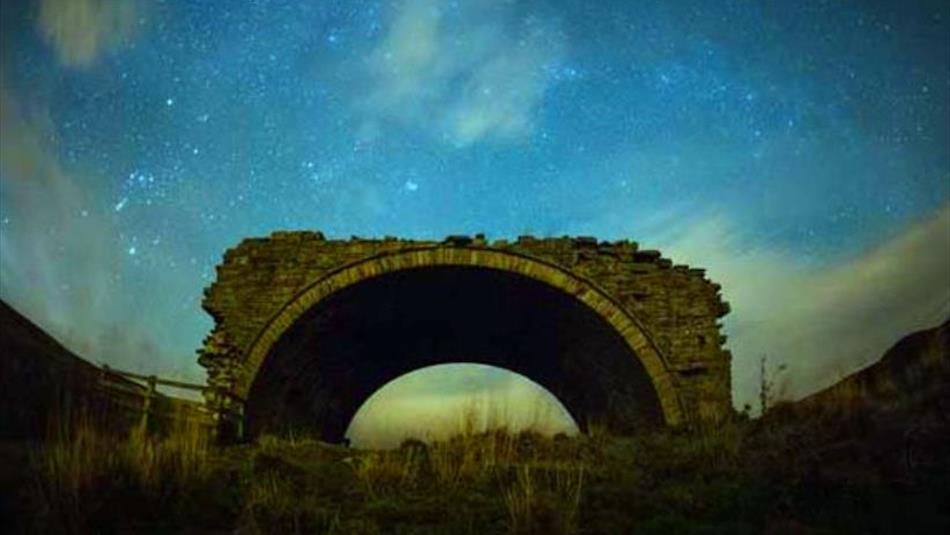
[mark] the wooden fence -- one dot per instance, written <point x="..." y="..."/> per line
<point x="138" y="392"/>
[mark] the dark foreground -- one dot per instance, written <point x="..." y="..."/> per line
<point x="868" y="455"/>
<point x="846" y="466"/>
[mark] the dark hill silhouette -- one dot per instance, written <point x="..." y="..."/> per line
<point x="39" y="376"/>
<point x="915" y="367"/>
<point x="890" y="417"/>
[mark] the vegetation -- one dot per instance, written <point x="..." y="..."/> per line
<point x="790" y="473"/>
<point x="846" y="462"/>
<point x="86" y="478"/>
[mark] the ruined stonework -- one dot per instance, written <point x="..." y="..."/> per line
<point x="608" y="314"/>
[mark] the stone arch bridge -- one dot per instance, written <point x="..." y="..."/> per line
<point x="306" y="328"/>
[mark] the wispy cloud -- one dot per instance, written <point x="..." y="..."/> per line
<point x="59" y="258"/>
<point x="823" y="322"/>
<point x="467" y="73"/>
<point x="82" y="31"/>
<point x="53" y="242"/>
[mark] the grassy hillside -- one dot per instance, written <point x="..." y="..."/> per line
<point x="43" y="384"/>
<point x="827" y="465"/>
<point x="915" y="366"/>
<point x="857" y="475"/>
<point x="39" y="377"/>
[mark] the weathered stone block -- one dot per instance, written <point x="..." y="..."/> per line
<point x="666" y="315"/>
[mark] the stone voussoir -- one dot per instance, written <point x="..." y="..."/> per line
<point x="667" y="313"/>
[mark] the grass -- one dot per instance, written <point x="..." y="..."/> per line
<point x="383" y="473"/>
<point x="540" y="478"/>
<point x="85" y="468"/>
<point x="543" y="500"/>
<point x="814" y="470"/>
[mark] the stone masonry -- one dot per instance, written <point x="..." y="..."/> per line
<point x="668" y="313"/>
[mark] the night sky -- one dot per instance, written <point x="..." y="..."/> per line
<point x="798" y="150"/>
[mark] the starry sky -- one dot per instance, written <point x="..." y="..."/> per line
<point x="798" y="150"/>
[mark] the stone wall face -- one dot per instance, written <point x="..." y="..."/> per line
<point x="676" y="305"/>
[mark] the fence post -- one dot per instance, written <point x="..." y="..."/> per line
<point x="240" y="421"/>
<point x="148" y="402"/>
<point x="228" y="413"/>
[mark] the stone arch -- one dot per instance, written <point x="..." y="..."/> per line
<point x="633" y="333"/>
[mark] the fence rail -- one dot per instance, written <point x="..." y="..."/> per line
<point x="216" y="414"/>
<point x="149" y="394"/>
<point x="153" y="380"/>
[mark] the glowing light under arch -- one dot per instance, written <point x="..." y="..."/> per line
<point x="441" y="400"/>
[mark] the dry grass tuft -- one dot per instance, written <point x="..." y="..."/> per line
<point x="544" y="501"/>
<point x="78" y="468"/>
<point x="385" y="472"/>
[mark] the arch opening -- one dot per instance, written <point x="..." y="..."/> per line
<point x="346" y="346"/>
<point x="438" y="402"/>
